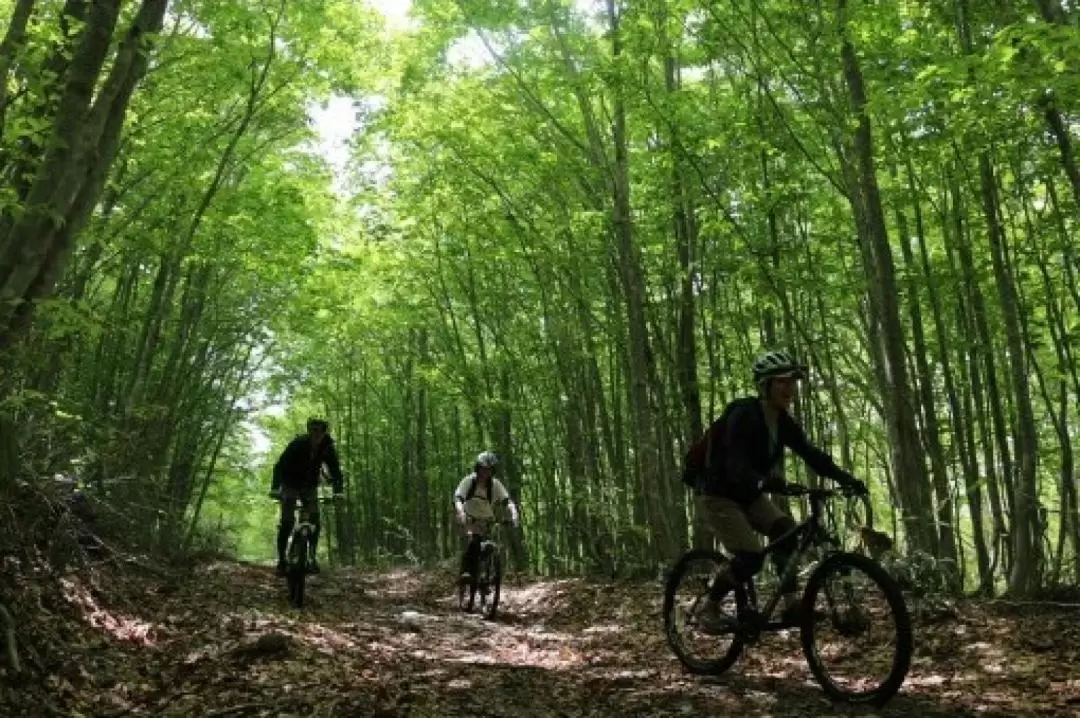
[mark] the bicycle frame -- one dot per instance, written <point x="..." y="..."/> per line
<point x="489" y="539"/>
<point x="305" y="524"/>
<point x="305" y="520"/>
<point x="748" y="624"/>
<point x="810" y="532"/>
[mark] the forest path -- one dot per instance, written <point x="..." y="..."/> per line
<point x="393" y="644"/>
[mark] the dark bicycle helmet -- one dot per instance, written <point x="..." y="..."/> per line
<point x="317" y="424"/>
<point x="774" y="365"/>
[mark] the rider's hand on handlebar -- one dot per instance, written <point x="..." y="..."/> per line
<point x="275" y="494"/>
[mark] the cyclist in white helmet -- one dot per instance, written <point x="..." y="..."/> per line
<point x="478" y="492"/>
<point x="740" y="458"/>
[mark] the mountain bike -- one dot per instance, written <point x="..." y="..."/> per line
<point x="298" y="553"/>
<point x="745" y="621"/>
<point x="487" y="579"/>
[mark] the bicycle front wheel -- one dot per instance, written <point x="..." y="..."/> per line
<point x="494" y="574"/>
<point x="856" y="624"/>
<point x="296" y="570"/>
<point x="702" y="652"/>
<point x="466" y="594"/>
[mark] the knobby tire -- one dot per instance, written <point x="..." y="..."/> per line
<point x="894" y="599"/>
<point x="494" y="584"/>
<point x="715" y="666"/>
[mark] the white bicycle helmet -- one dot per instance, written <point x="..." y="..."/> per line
<point x="776" y="364"/>
<point x="486" y="459"/>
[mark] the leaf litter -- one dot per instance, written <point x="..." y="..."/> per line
<point x="222" y="641"/>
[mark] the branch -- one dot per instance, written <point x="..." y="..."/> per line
<point x="9" y="638"/>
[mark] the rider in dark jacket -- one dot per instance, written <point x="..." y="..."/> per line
<point x="737" y="461"/>
<point x="296" y="477"/>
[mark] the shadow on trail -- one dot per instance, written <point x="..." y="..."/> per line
<point x="393" y="643"/>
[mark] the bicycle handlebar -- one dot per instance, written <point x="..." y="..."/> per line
<point x="474" y="517"/>
<point x="321" y="499"/>
<point x="814" y="494"/>
<point x="820" y="496"/>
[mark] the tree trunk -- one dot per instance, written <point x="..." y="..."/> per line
<point x="632" y="279"/>
<point x="880" y="272"/>
<point x="1023" y="580"/>
<point x="932" y="433"/>
<point x="35" y="248"/>
<point x="9" y="49"/>
<point x="982" y="357"/>
<point x="963" y="433"/>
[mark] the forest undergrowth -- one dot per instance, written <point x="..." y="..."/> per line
<point x="124" y="635"/>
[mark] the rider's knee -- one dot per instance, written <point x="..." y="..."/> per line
<point x="746" y="564"/>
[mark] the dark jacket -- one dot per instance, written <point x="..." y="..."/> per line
<point x="735" y="458"/>
<point x="298" y="466"/>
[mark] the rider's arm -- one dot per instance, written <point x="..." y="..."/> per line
<point x="459" y="496"/>
<point x="793" y="437"/>
<point x="330" y="458"/>
<point x="279" y="471"/>
<point x="499" y="494"/>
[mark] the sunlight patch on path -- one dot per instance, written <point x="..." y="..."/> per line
<point x="395" y="641"/>
<point x="121" y="626"/>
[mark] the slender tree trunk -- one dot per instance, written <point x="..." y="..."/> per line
<point x="880" y="271"/>
<point x="1054" y="13"/>
<point x="686" y="237"/>
<point x="963" y="433"/>
<point x="983" y="355"/>
<point x="35" y="247"/>
<point x="632" y="280"/>
<point x="1023" y="580"/>
<point x="12" y="43"/>
<point x="932" y="433"/>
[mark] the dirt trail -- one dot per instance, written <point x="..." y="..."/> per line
<point x="224" y="643"/>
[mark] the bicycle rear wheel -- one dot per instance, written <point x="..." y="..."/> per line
<point x="686" y="588"/>
<point x="855" y="593"/>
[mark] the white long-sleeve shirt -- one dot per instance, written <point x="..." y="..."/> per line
<point x="479" y="505"/>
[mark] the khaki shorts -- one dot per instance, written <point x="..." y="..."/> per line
<point x="739" y="527"/>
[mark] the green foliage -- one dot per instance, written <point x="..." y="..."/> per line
<point x="472" y="290"/>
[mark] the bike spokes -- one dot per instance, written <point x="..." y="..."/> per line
<point x="860" y="649"/>
<point x="705" y="641"/>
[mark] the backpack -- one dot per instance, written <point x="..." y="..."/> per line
<point x="700" y="457"/>
<point x="697" y="459"/>
<point x="471" y="491"/>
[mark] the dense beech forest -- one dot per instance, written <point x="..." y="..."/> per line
<point x="559" y="231"/>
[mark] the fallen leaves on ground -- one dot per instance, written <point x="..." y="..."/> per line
<point x="223" y="642"/>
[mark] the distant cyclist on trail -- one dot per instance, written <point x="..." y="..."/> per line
<point x="478" y="492"/>
<point x="736" y="461"/>
<point x="296" y="477"/>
